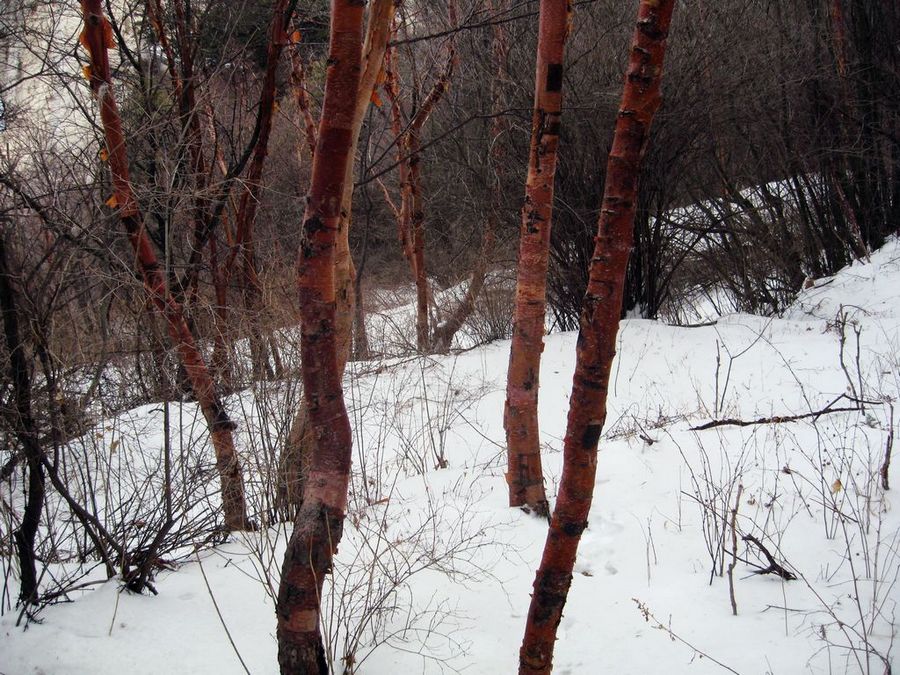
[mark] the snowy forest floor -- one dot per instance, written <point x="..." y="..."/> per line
<point x="434" y="570"/>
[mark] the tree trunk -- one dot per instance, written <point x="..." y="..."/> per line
<point x="97" y="38"/>
<point x="415" y="228"/>
<point x="599" y="325"/>
<point x="525" y="477"/>
<point x="305" y="116"/>
<point x="295" y="457"/>
<point x="221" y="357"/>
<point x="317" y="530"/>
<point x="26" y="433"/>
<point x="249" y="204"/>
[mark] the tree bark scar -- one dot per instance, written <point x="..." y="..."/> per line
<point x="574" y="529"/>
<point x="554" y="77"/>
<point x="313" y="225"/>
<point x="591" y="435"/>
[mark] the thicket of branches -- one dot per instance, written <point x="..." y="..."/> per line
<point x="774" y="159"/>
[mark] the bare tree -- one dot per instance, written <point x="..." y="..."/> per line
<point x="26" y="433"/>
<point x="97" y="38"/>
<point x="300" y="443"/>
<point x="407" y="131"/>
<point x="520" y="418"/>
<point x="597" y="338"/>
<point x="318" y="527"/>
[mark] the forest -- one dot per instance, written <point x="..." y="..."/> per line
<point x="398" y="336"/>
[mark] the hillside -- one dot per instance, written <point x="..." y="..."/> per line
<point x="434" y="571"/>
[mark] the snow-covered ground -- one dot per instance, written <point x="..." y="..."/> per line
<point x="434" y="571"/>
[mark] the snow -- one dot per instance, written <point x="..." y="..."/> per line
<point x="449" y="566"/>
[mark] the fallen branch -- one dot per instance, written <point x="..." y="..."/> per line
<point x="777" y="419"/>
<point x="774" y="567"/>
<point x="781" y="419"/>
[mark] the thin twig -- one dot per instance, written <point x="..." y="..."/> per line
<point x="734" y="548"/>
<point x="219" y="612"/>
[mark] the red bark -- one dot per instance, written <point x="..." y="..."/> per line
<point x="298" y="80"/>
<point x="597" y="337"/>
<point x="299" y="446"/>
<point x="520" y="419"/>
<point x="317" y="530"/>
<point x="97" y="39"/>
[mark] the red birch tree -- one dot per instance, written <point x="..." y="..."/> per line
<point x="97" y="38"/>
<point x="520" y="418"/>
<point x="318" y="527"/>
<point x="599" y="326"/>
<point x="300" y="443"/>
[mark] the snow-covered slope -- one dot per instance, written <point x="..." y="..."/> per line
<point x="434" y="571"/>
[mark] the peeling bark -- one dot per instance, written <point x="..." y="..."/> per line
<point x="317" y="530"/>
<point x="520" y="419"/>
<point x="300" y="443"/>
<point x="599" y="325"/>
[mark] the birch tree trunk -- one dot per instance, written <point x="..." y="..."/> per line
<point x="520" y="419"/>
<point x="97" y="39"/>
<point x="300" y="444"/>
<point x="411" y="214"/>
<point x="599" y="325"/>
<point x="318" y="527"/>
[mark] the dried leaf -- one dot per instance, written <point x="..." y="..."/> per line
<point x="104" y="154"/>
<point x="837" y="486"/>
<point x="376" y="99"/>
<point x="296" y="36"/>
<point x="86" y="72"/>
<point x="112" y="202"/>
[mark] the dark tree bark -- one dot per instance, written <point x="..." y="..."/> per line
<point x="524" y="474"/>
<point x="318" y="527"/>
<point x="599" y="325"/>
<point x="26" y="434"/>
<point x="97" y="39"/>
<point x="249" y="204"/>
